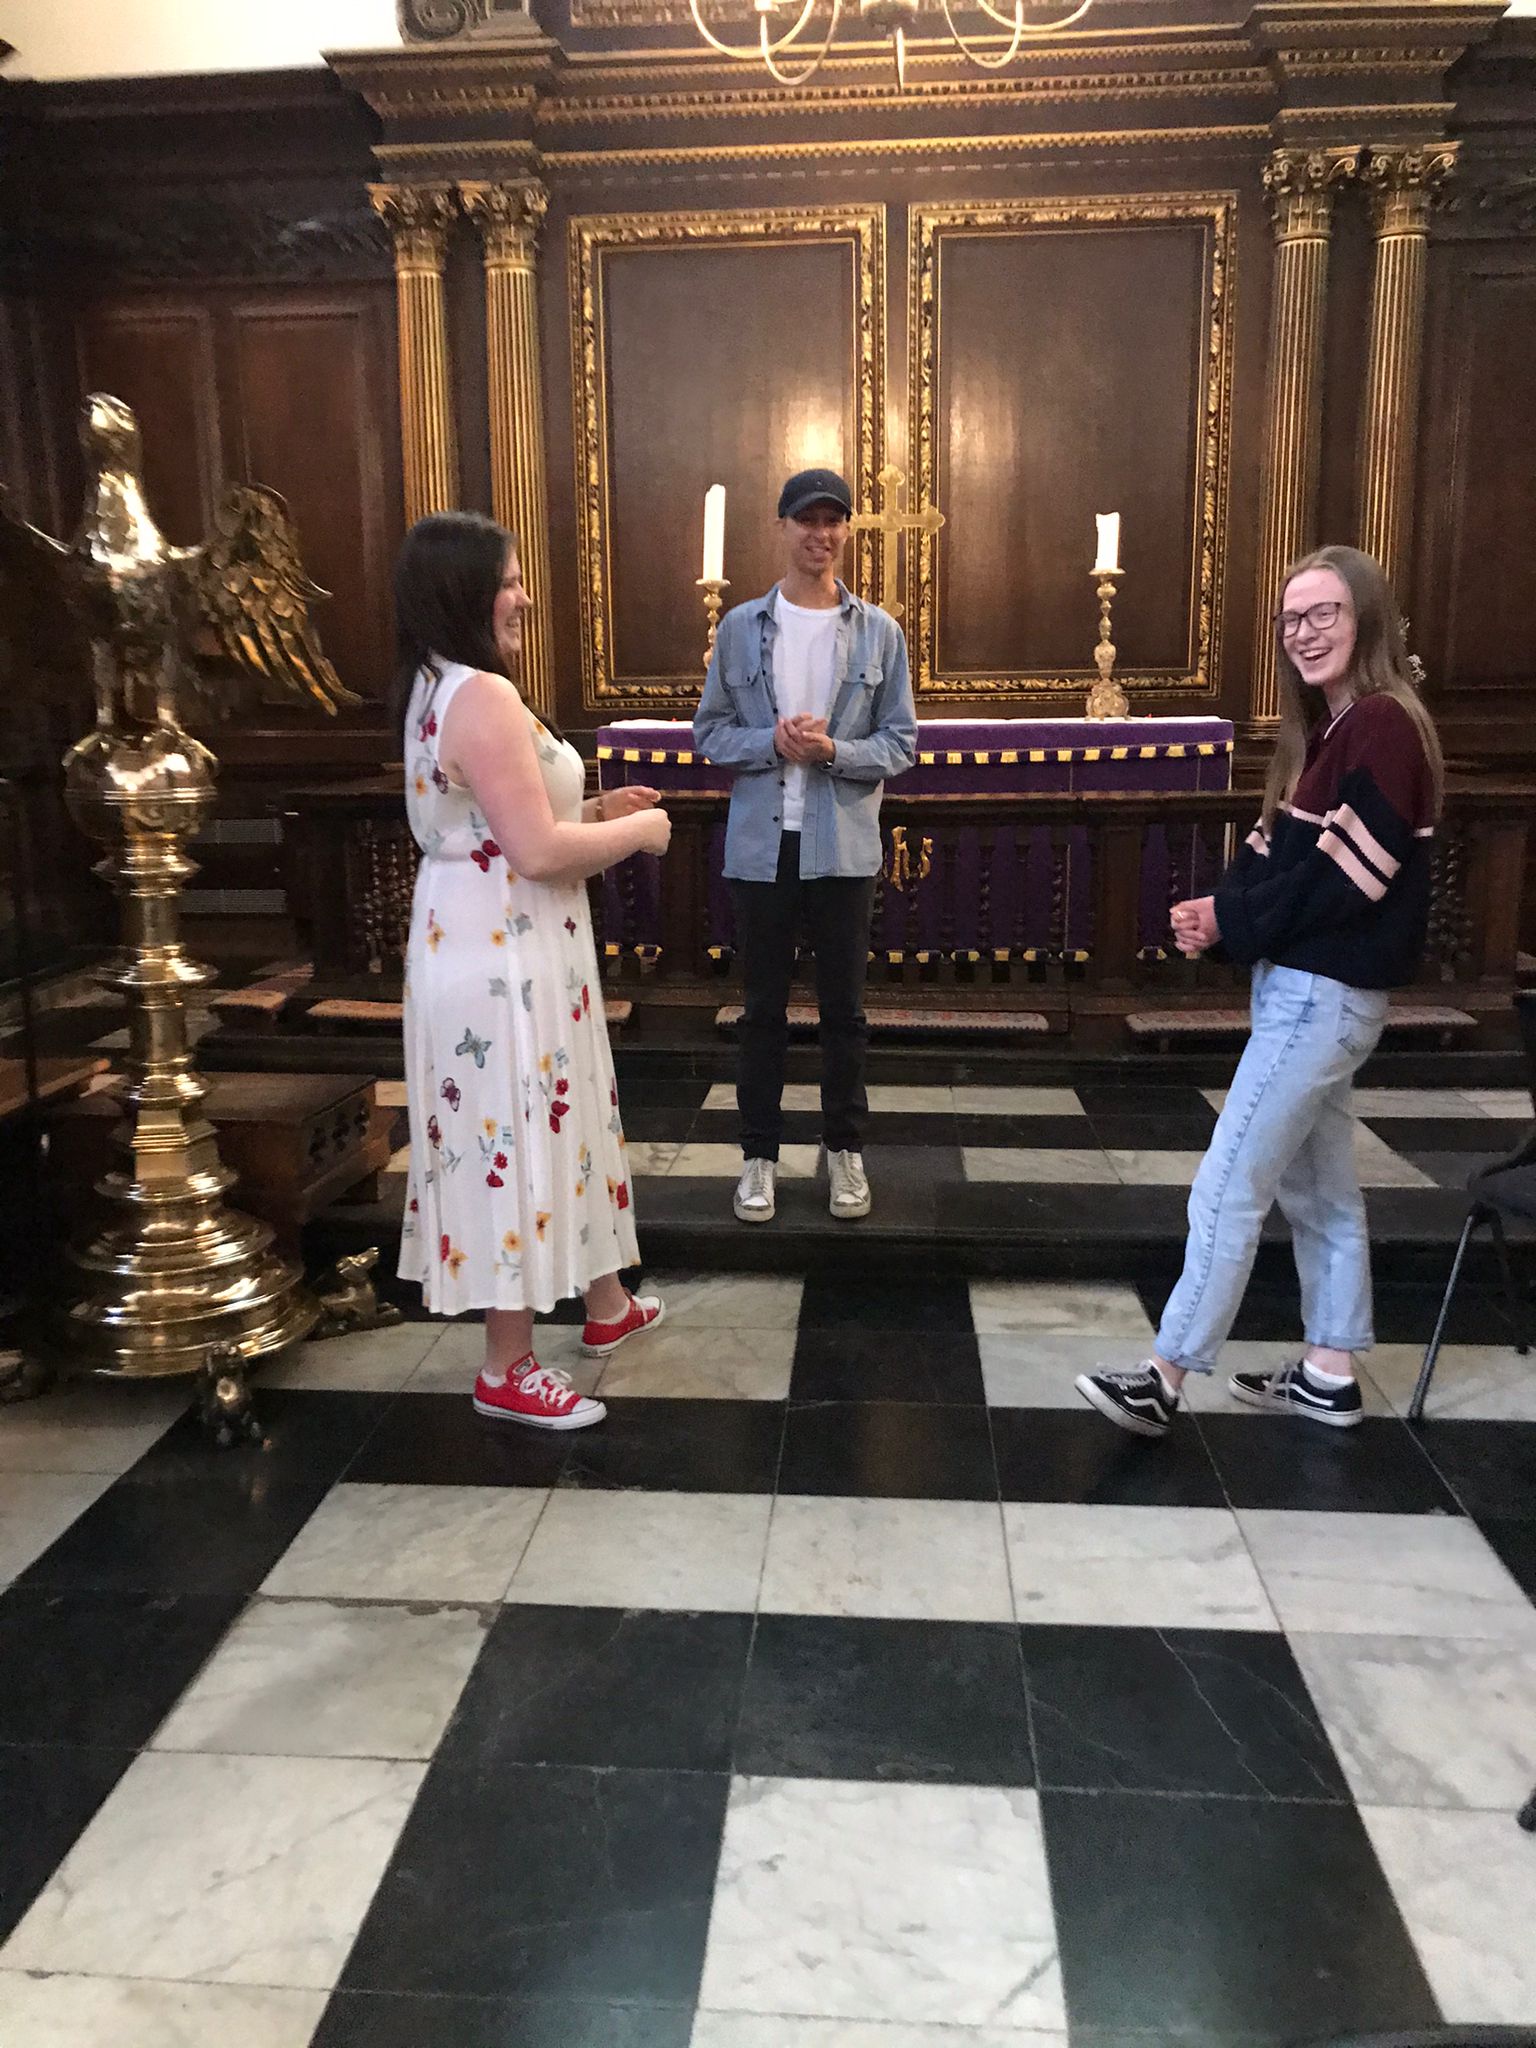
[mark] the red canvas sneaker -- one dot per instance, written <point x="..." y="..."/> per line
<point x="535" y="1394"/>
<point x="643" y="1313"/>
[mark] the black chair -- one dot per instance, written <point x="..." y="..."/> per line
<point x="1504" y="1191"/>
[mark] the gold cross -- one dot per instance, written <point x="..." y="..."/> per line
<point x="890" y="522"/>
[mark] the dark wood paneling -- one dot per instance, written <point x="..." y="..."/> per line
<point x="1071" y="366"/>
<point x="313" y="399"/>
<point x="158" y="354"/>
<point x="724" y="366"/>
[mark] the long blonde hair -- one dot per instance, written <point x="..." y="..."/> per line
<point x="1379" y="667"/>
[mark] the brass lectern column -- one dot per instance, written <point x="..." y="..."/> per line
<point x="1402" y="185"/>
<point x="419" y="218"/>
<point x="1301" y="184"/>
<point x="509" y="218"/>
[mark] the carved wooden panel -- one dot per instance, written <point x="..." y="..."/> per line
<point x="160" y="357"/>
<point x="710" y="348"/>
<point x="1069" y="357"/>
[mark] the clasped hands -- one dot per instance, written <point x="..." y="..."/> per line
<point x="1195" y="929"/>
<point x="803" y="740"/>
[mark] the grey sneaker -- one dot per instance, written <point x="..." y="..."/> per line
<point x="754" y="1192"/>
<point x="850" y="1186"/>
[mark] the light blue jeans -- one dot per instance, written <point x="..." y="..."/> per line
<point x="1286" y="1135"/>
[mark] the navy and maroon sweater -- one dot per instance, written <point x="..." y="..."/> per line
<point x="1341" y="885"/>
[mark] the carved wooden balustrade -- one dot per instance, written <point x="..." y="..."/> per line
<point x="1056" y="904"/>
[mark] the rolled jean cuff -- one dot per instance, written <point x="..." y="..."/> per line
<point x="1171" y="1354"/>
<point x="1367" y="1342"/>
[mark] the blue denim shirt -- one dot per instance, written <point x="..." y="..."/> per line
<point x="872" y="723"/>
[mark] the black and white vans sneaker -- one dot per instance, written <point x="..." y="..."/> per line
<point x="1293" y="1389"/>
<point x="1138" y="1401"/>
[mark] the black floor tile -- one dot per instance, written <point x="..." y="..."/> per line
<point x="723" y="1127"/>
<point x="1405" y="1314"/>
<point x="640" y="1094"/>
<point x="1451" y="1170"/>
<point x="1057" y="1454"/>
<point x="1489" y="1466"/>
<point x="101" y="1668"/>
<point x="439" y="1440"/>
<point x="1059" y="1133"/>
<point x="548" y="1883"/>
<point x="1233" y="1916"/>
<point x="308" y="1435"/>
<point x="1175" y="1710"/>
<point x="1515" y="1543"/>
<point x="1158" y="1098"/>
<point x="919" y="1127"/>
<point x="388" y="2019"/>
<point x="1286" y="1461"/>
<point x="658" y="1123"/>
<point x="170" y="1535"/>
<point x="47" y="1796"/>
<point x="914" y="1702"/>
<point x="888" y="1450"/>
<point x="679" y="1446"/>
<point x="876" y="1365"/>
<point x="1136" y="1133"/>
<point x="905" y="1178"/>
<point x="835" y="1298"/>
<point x="599" y="1686"/>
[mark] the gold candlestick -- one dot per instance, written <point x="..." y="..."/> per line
<point x="714" y="589"/>
<point x="1106" y="699"/>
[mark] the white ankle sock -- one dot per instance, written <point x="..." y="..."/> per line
<point x="1326" y="1379"/>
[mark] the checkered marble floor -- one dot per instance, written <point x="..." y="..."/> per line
<point x="853" y="1687"/>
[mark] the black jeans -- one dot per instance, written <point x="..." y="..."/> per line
<point x="835" y="913"/>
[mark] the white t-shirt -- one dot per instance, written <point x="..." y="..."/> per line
<point x="804" y="657"/>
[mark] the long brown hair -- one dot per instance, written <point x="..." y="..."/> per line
<point x="446" y="579"/>
<point x="1379" y="667"/>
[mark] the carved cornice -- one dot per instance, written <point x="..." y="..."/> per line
<point x="509" y="218"/>
<point x="1403" y="184"/>
<point x="1300" y="185"/>
<point x="419" y="218"/>
<point x="1494" y="202"/>
<point x="181" y="236"/>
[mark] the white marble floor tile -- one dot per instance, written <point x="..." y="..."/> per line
<point x="677" y="1362"/>
<point x="1417" y="1103"/>
<point x="223" y="1869"/>
<point x="312" y="1678"/>
<point x="1151" y="1169"/>
<point x="1472" y="1382"/>
<point x="1465" y="1884"/>
<point x="126" y="2012"/>
<point x="1132" y="1567"/>
<point x="36" y="1508"/>
<point x="989" y="1101"/>
<point x="1038" y="1163"/>
<point x="798" y="1095"/>
<point x="1380" y="1167"/>
<point x="784" y="2030"/>
<point x="650" y="1156"/>
<point x="450" y="1366"/>
<point x="729" y="1301"/>
<point x="369" y="1361"/>
<point x="1512" y="1104"/>
<point x="883" y="1902"/>
<point x="723" y="1162"/>
<point x="409" y="1543"/>
<point x="1416" y="1722"/>
<point x="1071" y="1308"/>
<point x="399" y="1160"/>
<point x="912" y="1100"/>
<point x="390" y="1094"/>
<point x="1038" y="1372"/>
<point x="1206" y="1393"/>
<point x="674" y="1550"/>
<point x="924" y="1559"/>
<point x="1408" y="1575"/>
<point x="88" y="1426"/>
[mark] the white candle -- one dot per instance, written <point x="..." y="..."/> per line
<point x="1108" y="524"/>
<point x="714" y="534"/>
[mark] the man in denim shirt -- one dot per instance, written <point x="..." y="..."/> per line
<point x="809" y="701"/>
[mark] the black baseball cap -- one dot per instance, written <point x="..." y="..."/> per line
<point x="815" y="487"/>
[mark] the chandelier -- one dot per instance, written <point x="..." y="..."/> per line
<point x="886" y="17"/>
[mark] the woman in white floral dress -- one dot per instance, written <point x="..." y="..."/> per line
<point x="519" y="1193"/>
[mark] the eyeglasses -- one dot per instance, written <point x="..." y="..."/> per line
<point x="1318" y="616"/>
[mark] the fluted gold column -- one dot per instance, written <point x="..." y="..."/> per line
<point x="1402" y="184"/>
<point x="419" y="218"/>
<point x="509" y="218"/>
<point x="1300" y="184"/>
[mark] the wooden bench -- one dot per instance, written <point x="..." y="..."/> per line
<point x="803" y="1017"/>
<point x="1166" y="1028"/>
<point x="337" y="1013"/>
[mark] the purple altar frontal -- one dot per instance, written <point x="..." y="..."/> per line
<point x="1037" y="894"/>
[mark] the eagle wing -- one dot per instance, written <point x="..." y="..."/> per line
<point x="249" y="600"/>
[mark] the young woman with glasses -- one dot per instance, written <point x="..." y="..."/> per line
<point x="1328" y="902"/>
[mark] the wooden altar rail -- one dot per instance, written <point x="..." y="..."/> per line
<point x="1087" y="956"/>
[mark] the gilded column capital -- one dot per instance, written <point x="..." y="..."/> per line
<point x="419" y="217"/>
<point x="509" y="218"/>
<point x="1300" y="184"/>
<point x="1404" y="183"/>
